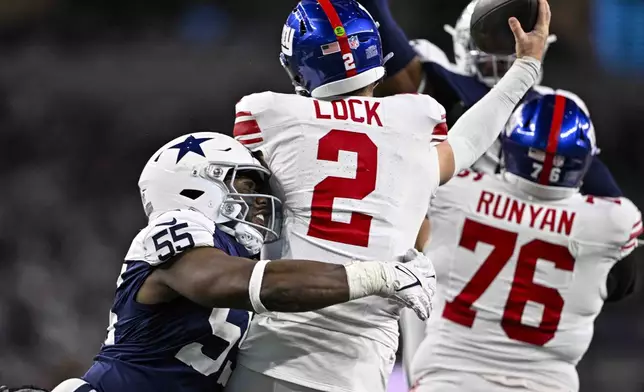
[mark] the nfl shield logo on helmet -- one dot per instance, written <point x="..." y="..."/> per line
<point x="354" y="42"/>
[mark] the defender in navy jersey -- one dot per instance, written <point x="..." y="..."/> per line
<point x="187" y="286"/>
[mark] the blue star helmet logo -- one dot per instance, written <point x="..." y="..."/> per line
<point x="191" y="144"/>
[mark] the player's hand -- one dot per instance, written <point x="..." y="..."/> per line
<point x="415" y="283"/>
<point x="532" y="44"/>
<point x="421" y="262"/>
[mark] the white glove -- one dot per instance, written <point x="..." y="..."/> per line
<point x="415" y="283"/>
<point x="423" y="264"/>
<point x="411" y="282"/>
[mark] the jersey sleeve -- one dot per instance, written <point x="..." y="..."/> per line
<point x="631" y="224"/>
<point x="171" y="234"/>
<point x="248" y="114"/>
<point x="435" y="117"/>
<point x="614" y="226"/>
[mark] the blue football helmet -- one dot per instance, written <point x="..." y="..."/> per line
<point x="331" y="47"/>
<point x="547" y="142"/>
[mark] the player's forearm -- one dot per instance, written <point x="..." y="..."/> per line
<point x="477" y="129"/>
<point x="213" y="279"/>
<point x="621" y="279"/>
<point x="423" y="235"/>
<point x="301" y="285"/>
<point x="282" y="285"/>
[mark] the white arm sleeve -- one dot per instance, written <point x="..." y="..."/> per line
<point x="477" y="129"/>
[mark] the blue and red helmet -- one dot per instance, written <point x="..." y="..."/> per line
<point x="549" y="142"/>
<point x="331" y="47"/>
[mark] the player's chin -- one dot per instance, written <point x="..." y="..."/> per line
<point x="259" y="218"/>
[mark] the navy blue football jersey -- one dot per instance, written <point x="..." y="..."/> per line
<point x="178" y="346"/>
<point x="457" y="92"/>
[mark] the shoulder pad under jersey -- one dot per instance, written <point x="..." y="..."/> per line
<point x="170" y="234"/>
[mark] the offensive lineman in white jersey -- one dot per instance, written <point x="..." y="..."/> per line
<point x="522" y="261"/>
<point x="354" y="171"/>
<point x="423" y="67"/>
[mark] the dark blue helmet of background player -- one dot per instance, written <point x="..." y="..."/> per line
<point x="331" y="47"/>
<point x="548" y="141"/>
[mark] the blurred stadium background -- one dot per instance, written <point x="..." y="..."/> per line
<point x="90" y="88"/>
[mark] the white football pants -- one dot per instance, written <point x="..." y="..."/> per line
<point x="246" y="380"/>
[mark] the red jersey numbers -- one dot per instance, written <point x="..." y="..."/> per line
<point x="476" y="176"/>
<point x="322" y="225"/>
<point x="523" y="288"/>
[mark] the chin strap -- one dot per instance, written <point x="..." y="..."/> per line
<point x="249" y="237"/>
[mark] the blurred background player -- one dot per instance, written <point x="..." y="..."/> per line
<point x="343" y="161"/>
<point x="420" y="66"/>
<point x="523" y="261"/>
<point x="187" y="286"/>
<point x="24" y="388"/>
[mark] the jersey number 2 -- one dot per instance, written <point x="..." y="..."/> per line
<point x="523" y="288"/>
<point x="356" y="231"/>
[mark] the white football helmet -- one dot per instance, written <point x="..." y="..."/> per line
<point x="489" y="69"/>
<point x="197" y="172"/>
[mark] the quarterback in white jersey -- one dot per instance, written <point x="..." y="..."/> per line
<point x="339" y="178"/>
<point x="522" y="261"/>
<point x="357" y="174"/>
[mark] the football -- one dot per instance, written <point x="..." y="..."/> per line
<point x="489" y="26"/>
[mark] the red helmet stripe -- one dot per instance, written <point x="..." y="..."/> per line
<point x="553" y="138"/>
<point x="338" y="27"/>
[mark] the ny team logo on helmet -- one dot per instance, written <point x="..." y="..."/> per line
<point x="331" y="47"/>
<point x="548" y="142"/>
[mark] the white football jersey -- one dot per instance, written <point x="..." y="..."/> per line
<point x="356" y="176"/>
<point x="520" y="281"/>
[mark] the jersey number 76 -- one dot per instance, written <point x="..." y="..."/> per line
<point x="523" y="288"/>
<point x="356" y="231"/>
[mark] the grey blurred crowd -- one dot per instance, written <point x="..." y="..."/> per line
<point x="88" y="90"/>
